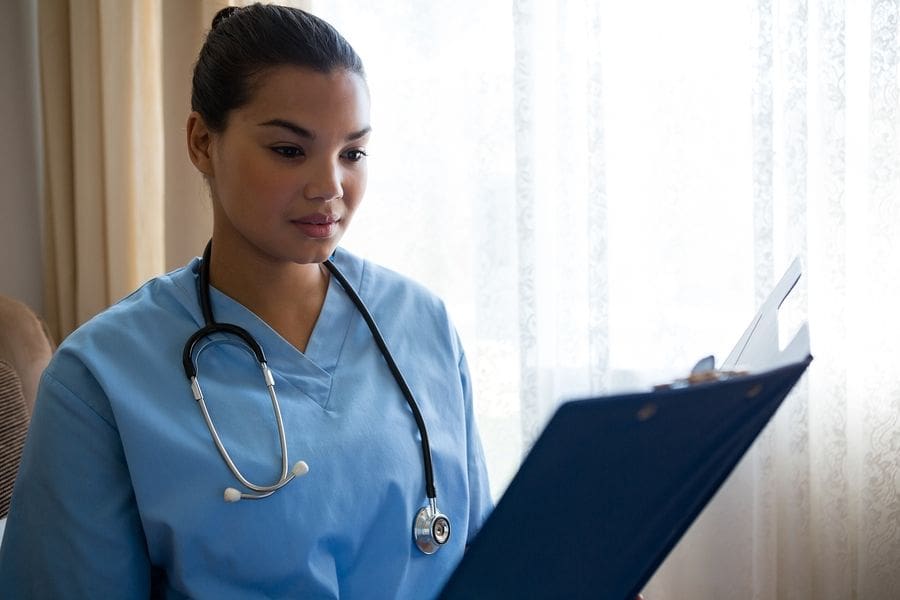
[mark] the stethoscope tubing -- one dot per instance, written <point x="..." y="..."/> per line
<point x="284" y="478"/>
<point x="395" y="371"/>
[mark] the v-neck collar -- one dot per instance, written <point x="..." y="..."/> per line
<point x="308" y="372"/>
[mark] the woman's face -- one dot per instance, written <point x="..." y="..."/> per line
<point x="289" y="170"/>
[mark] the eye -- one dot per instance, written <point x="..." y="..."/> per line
<point x="288" y="151"/>
<point x="355" y="155"/>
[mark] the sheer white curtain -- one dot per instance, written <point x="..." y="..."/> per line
<point x="603" y="193"/>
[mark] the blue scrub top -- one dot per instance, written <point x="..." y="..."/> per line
<point x="120" y="488"/>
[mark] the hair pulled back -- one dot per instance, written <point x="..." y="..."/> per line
<point x="243" y="42"/>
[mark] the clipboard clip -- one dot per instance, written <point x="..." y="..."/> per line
<point x="704" y="371"/>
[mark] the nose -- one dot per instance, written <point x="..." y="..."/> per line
<point x="325" y="181"/>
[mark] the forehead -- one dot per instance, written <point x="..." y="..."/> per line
<point x="312" y="98"/>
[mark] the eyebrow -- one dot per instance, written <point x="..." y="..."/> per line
<point x="306" y="133"/>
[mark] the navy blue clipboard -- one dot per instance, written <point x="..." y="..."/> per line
<point x="610" y="487"/>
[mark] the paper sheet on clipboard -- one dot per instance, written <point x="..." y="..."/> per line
<point x="758" y="348"/>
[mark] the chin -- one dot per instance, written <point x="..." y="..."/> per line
<point x="317" y="254"/>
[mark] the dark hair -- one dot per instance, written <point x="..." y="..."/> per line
<point x="244" y="42"/>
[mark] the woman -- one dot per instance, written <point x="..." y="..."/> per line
<point x="122" y="491"/>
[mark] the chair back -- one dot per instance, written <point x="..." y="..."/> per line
<point x="13" y="428"/>
<point x="25" y="350"/>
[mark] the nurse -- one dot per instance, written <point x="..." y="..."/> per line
<point x="120" y="490"/>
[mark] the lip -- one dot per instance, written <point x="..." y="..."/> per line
<point x="317" y="219"/>
<point x="317" y="225"/>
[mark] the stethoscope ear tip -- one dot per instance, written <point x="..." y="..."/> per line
<point x="232" y="495"/>
<point x="300" y="469"/>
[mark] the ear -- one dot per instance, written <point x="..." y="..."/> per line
<point x="199" y="142"/>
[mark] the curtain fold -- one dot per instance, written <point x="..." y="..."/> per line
<point x="834" y="555"/>
<point x="525" y="152"/>
<point x="56" y="119"/>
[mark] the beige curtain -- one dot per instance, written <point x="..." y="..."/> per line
<point x="122" y="203"/>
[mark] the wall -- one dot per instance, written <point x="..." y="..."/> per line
<point x="20" y="185"/>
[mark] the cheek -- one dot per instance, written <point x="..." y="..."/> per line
<point x="358" y="184"/>
<point x="248" y="183"/>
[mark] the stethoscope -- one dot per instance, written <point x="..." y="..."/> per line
<point x="431" y="528"/>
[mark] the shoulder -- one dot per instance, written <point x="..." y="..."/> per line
<point x="395" y="299"/>
<point x="170" y="297"/>
<point x="383" y="284"/>
<point x="152" y="319"/>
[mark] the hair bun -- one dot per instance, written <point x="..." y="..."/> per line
<point x="222" y="15"/>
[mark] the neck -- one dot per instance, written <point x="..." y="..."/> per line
<point x="286" y="295"/>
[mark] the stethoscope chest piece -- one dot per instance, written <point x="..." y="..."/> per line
<point x="431" y="529"/>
